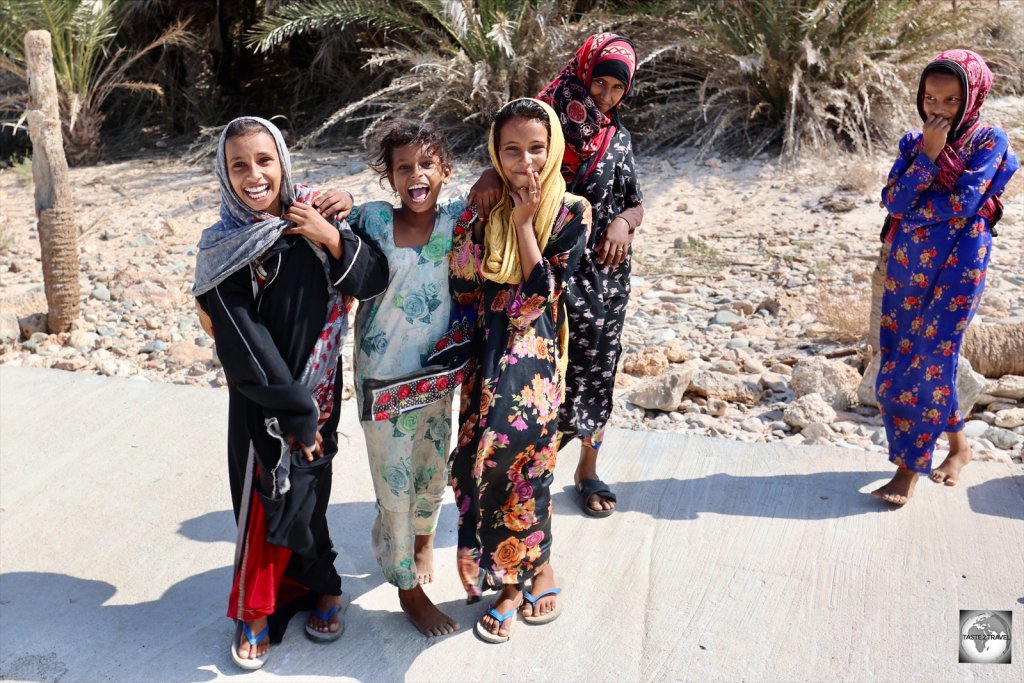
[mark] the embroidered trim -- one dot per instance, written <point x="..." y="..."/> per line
<point x="386" y="400"/>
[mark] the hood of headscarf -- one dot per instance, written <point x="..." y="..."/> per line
<point x="242" y="234"/>
<point x="975" y="80"/>
<point x="501" y="252"/>
<point x="583" y="124"/>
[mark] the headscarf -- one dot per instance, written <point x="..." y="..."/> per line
<point x="588" y="131"/>
<point x="501" y="248"/>
<point x="975" y="80"/>
<point x="243" y="234"/>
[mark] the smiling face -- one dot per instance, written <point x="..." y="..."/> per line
<point x="607" y="92"/>
<point x="254" y="170"/>
<point x="417" y="174"/>
<point x="942" y="96"/>
<point x="522" y="146"/>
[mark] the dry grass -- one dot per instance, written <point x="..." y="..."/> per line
<point x="846" y="309"/>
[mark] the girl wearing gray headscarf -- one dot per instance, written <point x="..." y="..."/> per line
<point x="276" y="280"/>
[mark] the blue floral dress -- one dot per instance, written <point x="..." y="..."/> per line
<point x="933" y="284"/>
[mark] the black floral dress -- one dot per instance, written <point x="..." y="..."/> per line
<point x="503" y="463"/>
<point x="597" y="297"/>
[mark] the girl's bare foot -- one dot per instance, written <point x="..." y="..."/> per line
<point x="423" y="556"/>
<point x="424" y="614"/>
<point x="247" y="651"/>
<point x="900" y="489"/>
<point x="324" y="605"/>
<point x="510" y="599"/>
<point x="542" y="580"/>
<point x="948" y="472"/>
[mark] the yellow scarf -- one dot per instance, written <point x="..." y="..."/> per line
<point x="501" y="249"/>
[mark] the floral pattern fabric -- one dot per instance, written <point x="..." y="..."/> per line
<point x="395" y="334"/>
<point x="597" y="297"/>
<point x="503" y="463"/>
<point x="933" y="284"/>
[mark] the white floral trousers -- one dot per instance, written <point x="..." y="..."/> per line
<point x="409" y="464"/>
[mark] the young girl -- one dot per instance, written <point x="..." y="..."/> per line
<point x="943" y="200"/>
<point x="503" y="463"/>
<point x="598" y="165"/>
<point x="404" y="399"/>
<point x="273" y="276"/>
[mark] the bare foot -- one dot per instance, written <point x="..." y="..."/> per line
<point x="587" y="469"/>
<point x="247" y="651"/>
<point x="424" y="614"/>
<point x="900" y="489"/>
<point x="542" y="581"/>
<point x="511" y="598"/>
<point x="948" y="472"/>
<point x="423" y="556"/>
<point x="324" y="605"/>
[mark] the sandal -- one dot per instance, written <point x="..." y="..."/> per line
<point x="327" y="636"/>
<point x="587" y="488"/>
<point x="256" y="662"/>
<point x="544" y="618"/>
<point x="484" y="634"/>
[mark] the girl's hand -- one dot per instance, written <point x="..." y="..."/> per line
<point x="310" y="224"/>
<point x="485" y="193"/>
<point x="316" y="450"/>
<point x="614" y="246"/>
<point x="526" y="201"/>
<point x="337" y="203"/>
<point x="935" y="130"/>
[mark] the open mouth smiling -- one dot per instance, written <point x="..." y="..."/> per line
<point x="257" y="192"/>
<point x="419" y="193"/>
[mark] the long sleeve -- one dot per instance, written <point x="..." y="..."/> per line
<point x="912" y="173"/>
<point x="551" y="274"/>
<point x="252" y="362"/>
<point x="912" y="195"/>
<point x="362" y="271"/>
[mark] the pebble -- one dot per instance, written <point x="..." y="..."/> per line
<point x="724" y="317"/>
<point x="101" y="293"/>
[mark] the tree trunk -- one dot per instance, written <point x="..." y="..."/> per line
<point x="58" y="235"/>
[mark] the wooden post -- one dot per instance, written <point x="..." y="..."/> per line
<point x="58" y="234"/>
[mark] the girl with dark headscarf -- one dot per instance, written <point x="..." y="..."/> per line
<point x="598" y="165"/>
<point x="943" y="198"/>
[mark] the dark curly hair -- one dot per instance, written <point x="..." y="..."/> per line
<point x="519" y="109"/>
<point x="398" y="132"/>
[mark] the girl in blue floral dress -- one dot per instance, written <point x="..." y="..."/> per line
<point x="518" y="265"/>
<point x="943" y="198"/>
<point x="404" y="395"/>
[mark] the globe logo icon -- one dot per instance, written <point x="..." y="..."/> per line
<point x="985" y="637"/>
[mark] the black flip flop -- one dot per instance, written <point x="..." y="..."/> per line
<point x="587" y="488"/>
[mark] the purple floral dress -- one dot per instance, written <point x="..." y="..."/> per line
<point x="503" y="464"/>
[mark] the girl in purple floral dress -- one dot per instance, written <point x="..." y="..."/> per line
<point x="516" y="267"/>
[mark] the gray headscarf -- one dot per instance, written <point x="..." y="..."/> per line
<point x="242" y="234"/>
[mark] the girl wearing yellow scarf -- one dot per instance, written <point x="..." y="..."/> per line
<point x="504" y="461"/>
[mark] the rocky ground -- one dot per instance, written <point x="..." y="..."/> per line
<point x="749" y="316"/>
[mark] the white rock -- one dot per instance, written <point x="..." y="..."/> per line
<point x="10" y="330"/>
<point x="817" y="433"/>
<point x="975" y="428"/>
<point x="833" y="379"/>
<point x="665" y="392"/>
<point x="732" y="388"/>
<point x="1008" y="386"/>
<point x="1008" y="419"/>
<point x="808" y="409"/>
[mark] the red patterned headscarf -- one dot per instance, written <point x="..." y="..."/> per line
<point x="975" y="80"/>
<point x="587" y="130"/>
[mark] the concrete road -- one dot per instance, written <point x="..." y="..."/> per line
<point x="725" y="562"/>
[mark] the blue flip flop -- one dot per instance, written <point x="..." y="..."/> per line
<point x="249" y="664"/>
<point x="327" y="636"/>
<point x="544" y="618"/>
<point x="484" y="634"/>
